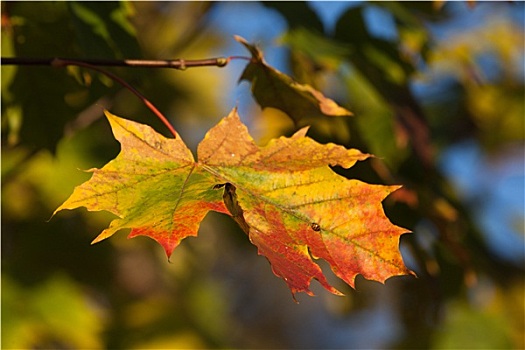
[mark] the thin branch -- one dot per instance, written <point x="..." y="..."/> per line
<point x="175" y="64"/>
<point x="95" y="63"/>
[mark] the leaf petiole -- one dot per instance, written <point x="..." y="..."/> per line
<point x="57" y="62"/>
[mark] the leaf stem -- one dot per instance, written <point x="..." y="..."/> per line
<point x="57" y="62"/>
<point x="60" y="62"/>
<point x="239" y="58"/>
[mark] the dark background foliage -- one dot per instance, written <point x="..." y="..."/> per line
<point x="437" y="95"/>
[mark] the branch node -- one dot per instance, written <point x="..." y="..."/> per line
<point x="222" y="61"/>
<point x="182" y="64"/>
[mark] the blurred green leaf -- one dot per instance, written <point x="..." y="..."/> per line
<point x="56" y="313"/>
<point x="376" y="121"/>
<point x="48" y="98"/>
<point x="297" y="14"/>
<point x="321" y="49"/>
<point x="102" y="30"/>
<point x="498" y="111"/>
<point x="469" y="327"/>
<point x="372" y="55"/>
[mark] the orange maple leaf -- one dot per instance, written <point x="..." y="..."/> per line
<point x="284" y="195"/>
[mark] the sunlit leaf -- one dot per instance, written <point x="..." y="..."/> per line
<point x="286" y="198"/>
<point x="272" y="88"/>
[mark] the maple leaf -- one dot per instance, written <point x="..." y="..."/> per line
<point x="272" y="88"/>
<point x="284" y="195"/>
<point x="152" y="186"/>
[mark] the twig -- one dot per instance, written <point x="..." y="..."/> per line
<point x="176" y="64"/>
<point x="95" y="63"/>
